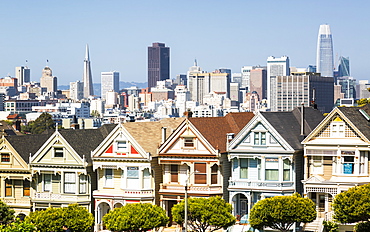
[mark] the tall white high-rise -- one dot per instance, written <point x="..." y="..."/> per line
<point x="276" y="67"/>
<point x="76" y="90"/>
<point x="109" y="82"/>
<point x="87" y="77"/>
<point x="22" y="74"/>
<point x="324" y="57"/>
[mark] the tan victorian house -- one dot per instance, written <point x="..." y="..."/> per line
<point x="337" y="157"/>
<point x="195" y="155"/>
<point x="15" y="172"/>
<point x="123" y="163"/>
<point x="62" y="170"/>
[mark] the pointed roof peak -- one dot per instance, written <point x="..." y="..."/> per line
<point x="87" y="56"/>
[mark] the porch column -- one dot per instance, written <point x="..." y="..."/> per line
<point x="2" y="188"/>
<point x="249" y="197"/>
<point x="326" y="202"/>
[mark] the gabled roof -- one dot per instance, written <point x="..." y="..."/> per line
<point x="149" y="135"/>
<point x="287" y="123"/>
<point x="83" y="141"/>
<point x="27" y="144"/>
<point x="357" y="118"/>
<point x="215" y="129"/>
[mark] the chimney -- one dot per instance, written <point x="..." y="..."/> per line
<point x="163" y="134"/>
<point x="188" y="113"/>
<point x="229" y="137"/>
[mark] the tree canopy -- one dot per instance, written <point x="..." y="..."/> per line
<point x="6" y="214"/>
<point x="135" y="217"/>
<point x="353" y="205"/>
<point x="281" y="212"/>
<point x="42" y="123"/>
<point x="18" y="225"/>
<point x="76" y="217"/>
<point x="204" y="214"/>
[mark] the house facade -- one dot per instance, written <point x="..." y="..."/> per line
<point x="336" y="157"/>
<point x="123" y="163"/>
<point x="62" y="170"/>
<point x="267" y="157"/>
<point x="194" y="156"/>
<point x="15" y="172"/>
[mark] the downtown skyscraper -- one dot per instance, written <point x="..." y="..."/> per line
<point x="324" y="57"/>
<point x="87" y="76"/>
<point x="158" y="63"/>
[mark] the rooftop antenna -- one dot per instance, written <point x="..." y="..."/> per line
<point x="26" y="63"/>
<point x="195" y="62"/>
<point x="47" y="63"/>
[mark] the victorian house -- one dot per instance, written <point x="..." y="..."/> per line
<point x="15" y="172"/>
<point x="193" y="158"/>
<point x="267" y="157"/>
<point x="336" y="157"/>
<point x="61" y="169"/>
<point x="122" y="162"/>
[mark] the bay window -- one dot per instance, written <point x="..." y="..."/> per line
<point x="201" y="173"/>
<point x="243" y="168"/>
<point x="108" y="178"/>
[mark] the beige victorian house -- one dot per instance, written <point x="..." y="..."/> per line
<point x="123" y="163"/>
<point x="337" y="157"/>
<point x="62" y="170"/>
<point x="15" y="173"/>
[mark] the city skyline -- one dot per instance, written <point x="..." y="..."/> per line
<point x="247" y="34"/>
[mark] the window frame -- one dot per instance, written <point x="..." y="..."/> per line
<point x="108" y="182"/>
<point x="122" y="146"/>
<point x="26" y="188"/>
<point x="3" y="158"/>
<point x="83" y="180"/>
<point x="57" y="151"/>
<point x="70" y="183"/>
<point x="9" y="187"/>
<point x="260" y="138"/>
<point x="198" y="174"/>
<point x="45" y="185"/>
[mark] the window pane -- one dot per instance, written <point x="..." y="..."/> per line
<point x="256" y="138"/>
<point x="109" y="177"/>
<point x="188" y="142"/>
<point x="200" y="167"/>
<point x="214" y="172"/>
<point x="133" y="172"/>
<point x="58" y="152"/>
<point x="83" y="181"/>
<point x="272" y="174"/>
<point x="200" y="173"/>
<point x="69" y="182"/>
<point x="47" y="182"/>
<point x="5" y="158"/>
<point x="174" y="173"/>
<point x="243" y="168"/>
<point x="263" y="138"/>
<point x="26" y="188"/>
<point x="8" y="188"/>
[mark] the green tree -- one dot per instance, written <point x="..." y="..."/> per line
<point x="353" y="205"/>
<point x="281" y="212"/>
<point x="210" y="214"/>
<point x="6" y="214"/>
<point x="42" y="123"/>
<point x="17" y="226"/>
<point x="330" y="226"/>
<point x="363" y="101"/>
<point x="95" y="114"/>
<point x="135" y="217"/>
<point x="362" y="227"/>
<point x="76" y="217"/>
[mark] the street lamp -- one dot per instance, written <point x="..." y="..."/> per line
<point x="186" y="197"/>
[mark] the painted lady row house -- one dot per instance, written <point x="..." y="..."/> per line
<point x="243" y="157"/>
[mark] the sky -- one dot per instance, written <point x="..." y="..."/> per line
<point x="218" y="33"/>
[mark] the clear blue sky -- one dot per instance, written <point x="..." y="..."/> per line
<point x="217" y="33"/>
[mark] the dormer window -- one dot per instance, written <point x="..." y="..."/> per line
<point x="58" y="152"/>
<point x="188" y="142"/>
<point x="5" y="158"/>
<point x="259" y="138"/>
<point x="337" y="128"/>
<point x="122" y="146"/>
